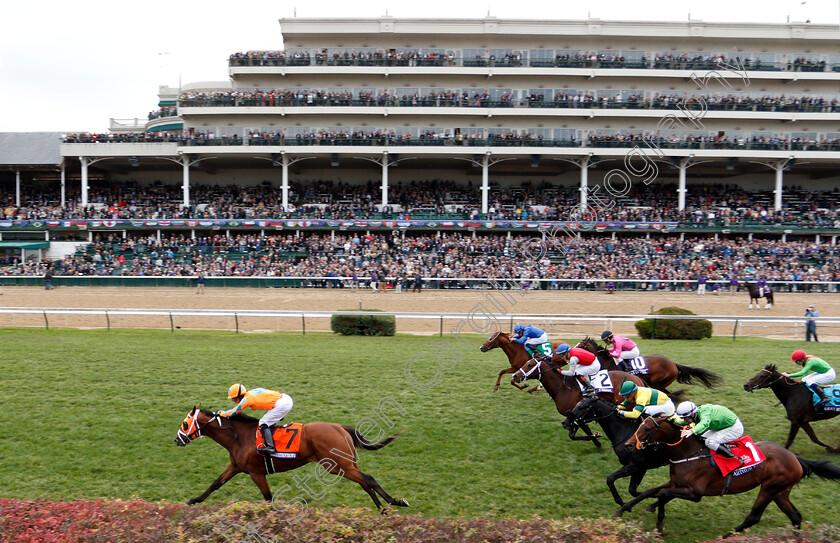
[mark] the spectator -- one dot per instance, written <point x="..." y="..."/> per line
<point x="811" y="325"/>
<point x="200" y="280"/>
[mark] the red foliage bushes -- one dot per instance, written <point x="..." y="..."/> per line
<point x="137" y="521"/>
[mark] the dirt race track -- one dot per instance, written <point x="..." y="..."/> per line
<point x="428" y="301"/>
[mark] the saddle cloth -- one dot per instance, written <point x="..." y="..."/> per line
<point x="286" y="440"/>
<point x="637" y="366"/>
<point x="601" y="381"/>
<point x="833" y="393"/>
<point x="745" y="449"/>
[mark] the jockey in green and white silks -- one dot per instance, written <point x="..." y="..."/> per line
<point x="534" y="339"/>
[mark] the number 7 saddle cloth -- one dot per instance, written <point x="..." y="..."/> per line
<point x="286" y="440"/>
<point x="748" y="457"/>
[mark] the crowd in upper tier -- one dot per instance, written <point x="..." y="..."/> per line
<point x="714" y="205"/>
<point x="452" y="255"/>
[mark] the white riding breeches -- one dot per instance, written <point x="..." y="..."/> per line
<point x="820" y="378"/>
<point x="714" y="438"/>
<point x="537" y="340"/>
<point x="665" y="410"/>
<point x="580" y="369"/>
<point x="631" y="354"/>
<point x="281" y="409"/>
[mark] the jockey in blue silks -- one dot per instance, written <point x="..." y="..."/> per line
<point x="534" y="339"/>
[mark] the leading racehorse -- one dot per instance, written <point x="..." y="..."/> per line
<point x="332" y="445"/>
<point x="661" y="370"/>
<point x="798" y="401"/>
<point x="516" y="352"/>
<point x="693" y="476"/>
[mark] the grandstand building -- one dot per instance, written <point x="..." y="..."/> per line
<point x="489" y="125"/>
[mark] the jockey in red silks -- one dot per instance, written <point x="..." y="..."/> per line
<point x="621" y="348"/>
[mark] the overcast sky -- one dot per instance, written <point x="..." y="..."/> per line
<point x="70" y="66"/>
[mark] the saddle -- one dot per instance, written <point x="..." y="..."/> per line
<point x="748" y="457"/>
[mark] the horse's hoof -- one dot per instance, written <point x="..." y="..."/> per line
<point x="190" y="502"/>
<point x="650" y="508"/>
<point x="402" y="503"/>
<point x="620" y="512"/>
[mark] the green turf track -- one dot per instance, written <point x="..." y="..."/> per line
<point x="93" y="414"/>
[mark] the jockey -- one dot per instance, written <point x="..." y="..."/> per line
<point x="277" y="405"/>
<point x="622" y="348"/>
<point x="643" y="401"/>
<point x="716" y="424"/>
<point x="533" y="339"/>
<point x="582" y="364"/>
<point x="761" y="286"/>
<point x="823" y="373"/>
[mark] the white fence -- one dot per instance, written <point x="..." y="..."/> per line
<point x="477" y="322"/>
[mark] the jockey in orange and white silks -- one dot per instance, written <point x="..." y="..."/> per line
<point x="276" y="404"/>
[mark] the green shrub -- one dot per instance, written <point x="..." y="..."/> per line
<point x="364" y="325"/>
<point x="674" y="329"/>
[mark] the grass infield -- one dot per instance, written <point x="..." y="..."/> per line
<point x="93" y="414"/>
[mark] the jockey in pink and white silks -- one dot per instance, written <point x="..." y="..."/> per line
<point x="621" y="348"/>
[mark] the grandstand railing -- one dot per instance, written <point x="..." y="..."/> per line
<point x="433" y="283"/>
<point x="567" y="325"/>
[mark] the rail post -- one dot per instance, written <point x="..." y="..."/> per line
<point x="171" y="323"/>
<point x="303" y="322"/>
<point x="46" y="321"/>
<point x="441" y="326"/>
<point x="108" y="320"/>
<point x="735" y="330"/>
<point x="236" y="318"/>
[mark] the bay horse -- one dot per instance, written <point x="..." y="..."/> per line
<point x="754" y="295"/>
<point x="694" y="476"/>
<point x="516" y="352"/>
<point x="330" y="444"/>
<point x="618" y="430"/>
<point x="662" y="370"/>
<point x="797" y="399"/>
<point x="564" y="390"/>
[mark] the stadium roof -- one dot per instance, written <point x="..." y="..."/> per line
<point x="30" y="149"/>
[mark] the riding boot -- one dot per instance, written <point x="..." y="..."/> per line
<point x="725" y="450"/>
<point x="819" y="392"/>
<point x="268" y="439"/>
<point x="588" y="389"/>
<point x="622" y="364"/>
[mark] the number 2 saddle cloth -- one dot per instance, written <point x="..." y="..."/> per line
<point x="748" y="457"/>
<point x="601" y="381"/>
<point x="833" y="394"/>
<point x="286" y="440"/>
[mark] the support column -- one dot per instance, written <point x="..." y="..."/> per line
<point x="485" y="183"/>
<point x="777" y="205"/>
<point x="284" y="182"/>
<point x="682" y="190"/>
<point x="384" y="180"/>
<point x="186" y="162"/>
<point x="63" y="184"/>
<point x="84" y="161"/>
<point x="584" y="183"/>
<point x="17" y="188"/>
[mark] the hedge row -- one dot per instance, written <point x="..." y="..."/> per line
<point x="674" y="329"/>
<point x="41" y="521"/>
<point x="364" y="325"/>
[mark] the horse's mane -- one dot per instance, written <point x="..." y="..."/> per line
<point x="239" y="417"/>
<point x="770" y="367"/>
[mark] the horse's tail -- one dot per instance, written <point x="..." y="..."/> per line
<point x="820" y="468"/>
<point x="688" y="375"/>
<point x="358" y="441"/>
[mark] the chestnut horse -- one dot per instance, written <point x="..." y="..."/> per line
<point x="516" y="352"/>
<point x="565" y="391"/>
<point x="693" y="476"/>
<point x="332" y="445"/>
<point x="662" y="371"/>
<point x="797" y="399"/>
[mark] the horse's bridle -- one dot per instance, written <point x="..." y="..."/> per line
<point x="187" y="436"/>
<point x="493" y="338"/>
<point x="582" y="417"/>
<point x="788" y="381"/>
<point x="642" y="444"/>
<point x="527" y="374"/>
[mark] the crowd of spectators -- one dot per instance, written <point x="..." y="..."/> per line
<point x="707" y="205"/>
<point x="452" y="256"/>
<point x="514" y="58"/>
<point x="529" y="98"/>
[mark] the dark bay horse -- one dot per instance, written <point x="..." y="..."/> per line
<point x="564" y="390"/>
<point x="618" y="430"/>
<point x="332" y="445"/>
<point x="754" y="295"/>
<point x="662" y="370"/>
<point x="516" y="353"/>
<point x="797" y="399"/>
<point x="693" y="476"/>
